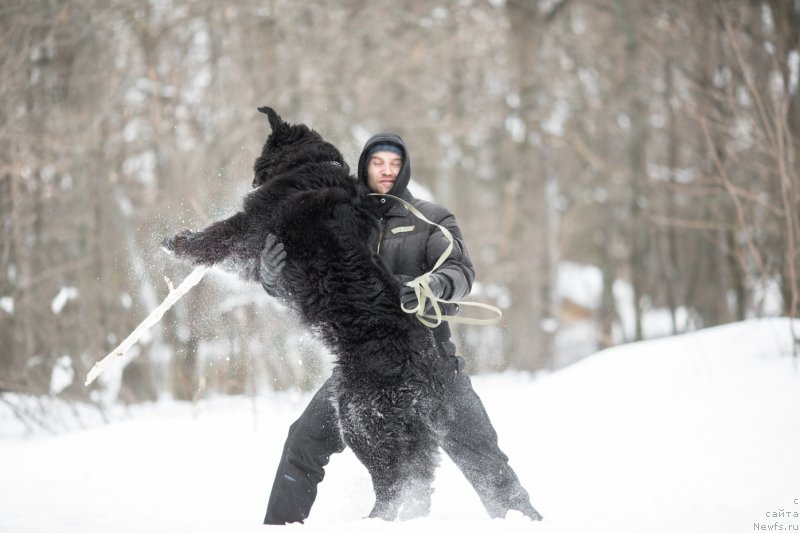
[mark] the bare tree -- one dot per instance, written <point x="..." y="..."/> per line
<point x="657" y="143"/>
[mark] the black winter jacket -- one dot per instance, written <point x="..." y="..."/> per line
<point x="409" y="246"/>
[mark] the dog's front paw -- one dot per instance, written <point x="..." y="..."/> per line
<point x="173" y="245"/>
<point x="168" y="245"/>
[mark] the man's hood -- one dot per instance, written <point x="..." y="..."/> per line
<point x="403" y="177"/>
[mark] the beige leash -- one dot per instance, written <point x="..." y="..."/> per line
<point x="423" y="291"/>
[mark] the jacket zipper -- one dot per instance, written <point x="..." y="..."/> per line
<point x="380" y="237"/>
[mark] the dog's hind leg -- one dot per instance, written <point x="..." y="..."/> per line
<point x="416" y="498"/>
<point x="388" y="493"/>
<point x="418" y="485"/>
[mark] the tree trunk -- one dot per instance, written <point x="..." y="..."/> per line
<point x="636" y="170"/>
<point x="531" y="278"/>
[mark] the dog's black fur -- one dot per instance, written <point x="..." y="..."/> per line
<point x="388" y="389"/>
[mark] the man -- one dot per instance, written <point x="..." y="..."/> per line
<point x="409" y="247"/>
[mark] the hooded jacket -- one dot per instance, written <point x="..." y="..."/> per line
<point x="409" y="246"/>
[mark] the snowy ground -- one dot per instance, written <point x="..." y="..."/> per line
<point x="693" y="433"/>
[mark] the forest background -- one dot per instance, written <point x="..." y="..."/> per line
<point x="620" y="170"/>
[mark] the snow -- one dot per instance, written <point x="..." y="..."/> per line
<point x="62" y="375"/>
<point x="419" y="191"/>
<point x="7" y="304"/>
<point x="65" y="294"/>
<point x="698" y="432"/>
<point x="582" y="285"/>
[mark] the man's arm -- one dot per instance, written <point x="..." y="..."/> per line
<point x="457" y="270"/>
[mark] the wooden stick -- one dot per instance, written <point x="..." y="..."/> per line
<point x="152" y="319"/>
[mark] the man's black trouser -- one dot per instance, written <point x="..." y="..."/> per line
<point x="469" y="440"/>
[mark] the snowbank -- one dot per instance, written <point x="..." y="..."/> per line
<point x="693" y="433"/>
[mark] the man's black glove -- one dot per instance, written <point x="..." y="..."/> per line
<point x="273" y="259"/>
<point x="440" y="287"/>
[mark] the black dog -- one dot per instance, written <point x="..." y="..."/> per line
<point x="387" y="387"/>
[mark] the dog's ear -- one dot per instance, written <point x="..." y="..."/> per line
<point x="275" y="121"/>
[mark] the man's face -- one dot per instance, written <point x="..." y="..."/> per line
<point x="382" y="171"/>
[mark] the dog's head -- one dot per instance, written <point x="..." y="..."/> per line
<point x="289" y="146"/>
